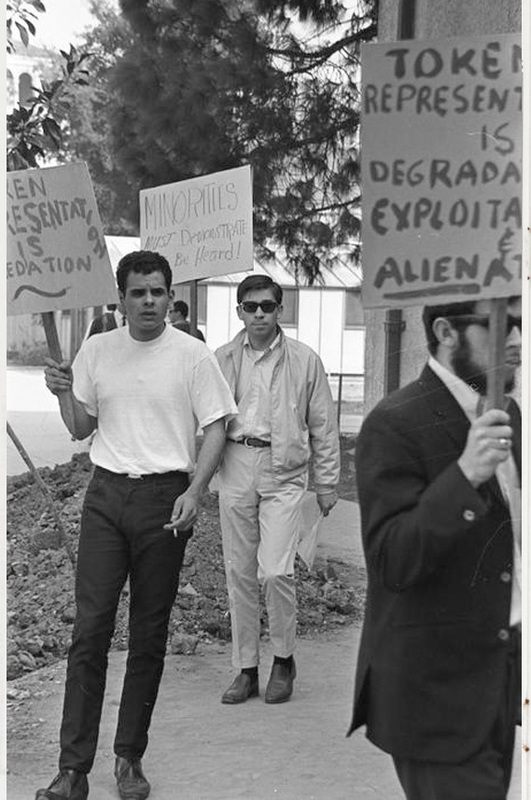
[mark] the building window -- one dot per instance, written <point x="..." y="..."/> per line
<point x="353" y="309"/>
<point x="10" y="87"/>
<point x="25" y="89"/>
<point x="182" y="292"/>
<point x="290" y="303"/>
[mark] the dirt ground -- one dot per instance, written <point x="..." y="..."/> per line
<point x="40" y="576"/>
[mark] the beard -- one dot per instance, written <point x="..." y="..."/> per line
<point x="470" y="372"/>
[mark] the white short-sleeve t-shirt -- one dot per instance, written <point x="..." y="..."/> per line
<point x="149" y="398"/>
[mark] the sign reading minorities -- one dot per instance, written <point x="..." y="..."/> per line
<point x="56" y="253"/>
<point x="441" y="170"/>
<point x="203" y="226"/>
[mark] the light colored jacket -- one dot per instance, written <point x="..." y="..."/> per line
<point x="303" y="417"/>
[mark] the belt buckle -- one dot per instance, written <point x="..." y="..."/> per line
<point x="134" y="477"/>
<point x="246" y="442"/>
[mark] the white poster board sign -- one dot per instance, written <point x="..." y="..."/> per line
<point x="56" y="253"/>
<point x="203" y="226"/>
<point x="441" y="170"/>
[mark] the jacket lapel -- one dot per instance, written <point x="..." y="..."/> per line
<point x="448" y="414"/>
<point x="452" y="419"/>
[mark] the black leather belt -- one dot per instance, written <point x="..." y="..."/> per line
<point x="250" y="441"/>
<point x="131" y="477"/>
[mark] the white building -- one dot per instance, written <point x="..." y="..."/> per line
<point x="25" y="67"/>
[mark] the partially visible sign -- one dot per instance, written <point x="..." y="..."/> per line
<point x="441" y="170"/>
<point x="203" y="226"/>
<point x="56" y="254"/>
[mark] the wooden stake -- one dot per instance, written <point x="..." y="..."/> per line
<point x="193" y="307"/>
<point x="497" y="338"/>
<point x="46" y="492"/>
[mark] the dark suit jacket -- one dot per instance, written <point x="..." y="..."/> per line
<point x="439" y="559"/>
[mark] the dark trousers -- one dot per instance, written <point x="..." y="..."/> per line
<point x="485" y="776"/>
<point x="121" y="536"/>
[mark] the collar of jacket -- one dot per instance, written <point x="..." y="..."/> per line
<point x="237" y="343"/>
<point x="454" y="420"/>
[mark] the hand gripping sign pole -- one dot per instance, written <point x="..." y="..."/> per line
<point x="497" y="337"/>
<point x="54" y="348"/>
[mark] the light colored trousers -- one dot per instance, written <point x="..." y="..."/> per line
<point x="260" y="525"/>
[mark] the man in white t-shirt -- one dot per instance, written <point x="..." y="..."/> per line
<point x="143" y="389"/>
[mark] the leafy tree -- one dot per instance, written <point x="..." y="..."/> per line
<point x="22" y="15"/>
<point x="34" y="128"/>
<point x="88" y="133"/>
<point x="197" y="86"/>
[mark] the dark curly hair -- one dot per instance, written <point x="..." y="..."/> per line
<point x="143" y="262"/>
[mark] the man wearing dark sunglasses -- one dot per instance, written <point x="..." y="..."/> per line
<point x="438" y="675"/>
<point x="286" y="416"/>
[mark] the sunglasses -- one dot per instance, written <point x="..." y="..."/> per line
<point x="484" y="321"/>
<point x="250" y="306"/>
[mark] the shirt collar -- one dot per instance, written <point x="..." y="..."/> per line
<point x="274" y="343"/>
<point x="467" y="397"/>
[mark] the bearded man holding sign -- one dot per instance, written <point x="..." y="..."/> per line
<point x="438" y="675"/>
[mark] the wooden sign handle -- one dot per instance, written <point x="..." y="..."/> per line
<point x="66" y="403"/>
<point x="44" y="489"/>
<point x="497" y="337"/>
<point x="193" y="307"/>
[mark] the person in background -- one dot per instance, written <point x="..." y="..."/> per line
<point x="286" y="417"/>
<point x="178" y="318"/>
<point x="143" y="388"/>
<point x="110" y="319"/>
<point x="438" y="672"/>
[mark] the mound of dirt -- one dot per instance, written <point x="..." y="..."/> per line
<point x="40" y="575"/>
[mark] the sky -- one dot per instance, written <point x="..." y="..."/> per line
<point x="63" y="19"/>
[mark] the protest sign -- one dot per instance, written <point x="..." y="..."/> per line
<point x="441" y="170"/>
<point x="56" y="253"/>
<point x="203" y="226"/>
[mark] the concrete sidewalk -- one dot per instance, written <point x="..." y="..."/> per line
<point x="203" y="750"/>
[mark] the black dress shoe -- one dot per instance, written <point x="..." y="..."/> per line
<point x="280" y="686"/>
<point x="242" y="687"/>
<point x="68" y="785"/>
<point x="131" y="781"/>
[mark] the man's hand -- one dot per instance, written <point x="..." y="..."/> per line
<point x="58" y="377"/>
<point x="488" y="444"/>
<point x="326" y="502"/>
<point x="184" y="513"/>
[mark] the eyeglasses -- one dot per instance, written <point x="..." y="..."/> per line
<point x="250" y="306"/>
<point x="484" y="321"/>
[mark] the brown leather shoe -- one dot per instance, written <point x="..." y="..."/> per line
<point x="242" y="687"/>
<point x="68" y="785"/>
<point x="131" y="781"/>
<point x="280" y="686"/>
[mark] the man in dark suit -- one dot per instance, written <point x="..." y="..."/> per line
<point x="438" y="674"/>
